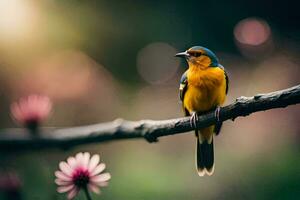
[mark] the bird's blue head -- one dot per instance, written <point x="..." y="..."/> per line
<point x="200" y="56"/>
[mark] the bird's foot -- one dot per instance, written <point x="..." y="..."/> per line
<point x="193" y="120"/>
<point x="150" y="138"/>
<point x="217" y="113"/>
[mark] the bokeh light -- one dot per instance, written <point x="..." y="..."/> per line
<point x="17" y="18"/>
<point x="65" y="75"/>
<point x="252" y="31"/>
<point x="253" y="38"/>
<point x="156" y="63"/>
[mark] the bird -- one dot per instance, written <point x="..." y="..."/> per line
<point x="203" y="88"/>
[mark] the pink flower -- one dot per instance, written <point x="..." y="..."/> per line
<point x="81" y="172"/>
<point x="32" y="110"/>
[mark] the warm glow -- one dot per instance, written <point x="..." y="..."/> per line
<point x="252" y="31"/>
<point x="64" y="75"/>
<point x="16" y="18"/>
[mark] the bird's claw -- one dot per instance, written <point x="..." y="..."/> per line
<point x="150" y="138"/>
<point x="193" y="120"/>
<point x="217" y="113"/>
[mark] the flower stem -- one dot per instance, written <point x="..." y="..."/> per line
<point x="87" y="194"/>
<point x="33" y="126"/>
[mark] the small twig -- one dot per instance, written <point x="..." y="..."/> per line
<point x="64" y="138"/>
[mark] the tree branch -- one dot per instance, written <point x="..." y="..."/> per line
<point x="64" y="138"/>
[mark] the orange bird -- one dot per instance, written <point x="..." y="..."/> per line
<point x="203" y="88"/>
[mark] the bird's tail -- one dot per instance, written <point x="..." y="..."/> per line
<point x="205" y="151"/>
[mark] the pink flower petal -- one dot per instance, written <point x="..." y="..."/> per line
<point x="72" y="162"/>
<point x="63" y="189"/>
<point x="62" y="176"/>
<point x="94" y="188"/>
<point x="94" y="162"/>
<point x="33" y="107"/>
<point x="60" y="182"/>
<point x="16" y="113"/>
<point x="102" y="184"/>
<point x="101" y="178"/>
<point x="98" y="169"/>
<point x="65" y="168"/>
<point x="86" y="159"/>
<point x="73" y="193"/>
<point x="79" y="159"/>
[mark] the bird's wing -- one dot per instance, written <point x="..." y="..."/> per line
<point x="226" y="78"/>
<point x="218" y="125"/>
<point x="182" y="89"/>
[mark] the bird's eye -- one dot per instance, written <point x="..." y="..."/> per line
<point x="195" y="54"/>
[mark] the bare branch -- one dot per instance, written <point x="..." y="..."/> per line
<point x="64" y="138"/>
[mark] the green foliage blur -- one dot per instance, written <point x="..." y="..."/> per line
<point x="101" y="60"/>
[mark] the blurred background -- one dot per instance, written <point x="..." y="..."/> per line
<point x="100" y="60"/>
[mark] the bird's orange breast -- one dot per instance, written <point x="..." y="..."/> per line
<point x="206" y="89"/>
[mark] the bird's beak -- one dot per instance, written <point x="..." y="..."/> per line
<point x="182" y="54"/>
